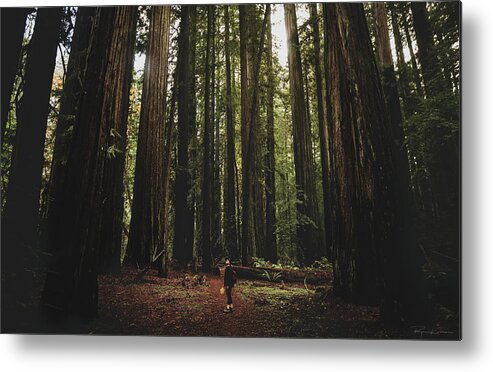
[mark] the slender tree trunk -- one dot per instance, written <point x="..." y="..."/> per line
<point x="416" y="76"/>
<point x="207" y="160"/>
<point x="308" y="233"/>
<point x="13" y="25"/>
<point x="322" y="128"/>
<point x="258" y="140"/>
<point x="183" y="226"/>
<point x="270" y="184"/>
<point x="372" y="259"/>
<point x="114" y="120"/>
<point x="193" y="121"/>
<point x="169" y="161"/>
<point x="230" y="232"/>
<point x="246" y="236"/>
<point x="148" y="221"/>
<point x="215" y="114"/>
<point x="403" y="80"/>
<point x="430" y="66"/>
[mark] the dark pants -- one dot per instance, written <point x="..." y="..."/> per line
<point x="228" y="294"/>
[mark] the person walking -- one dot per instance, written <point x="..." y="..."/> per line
<point x="229" y="282"/>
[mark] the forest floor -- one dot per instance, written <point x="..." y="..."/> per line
<point x="191" y="305"/>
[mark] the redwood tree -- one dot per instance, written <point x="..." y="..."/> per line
<point x="270" y="252"/>
<point x="206" y="248"/>
<point x="114" y="137"/>
<point x="149" y="210"/>
<point x="230" y="231"/>
<point x="183" y="226"/>
<point x="71" y="94"/>
<point x="250" y="68"/>
<point x="373" y="262"/>
<point x="71" y="288"/>
<point x="21" y="218"/>
<point x="322" y="128"/>
<point x="308" y="232"/>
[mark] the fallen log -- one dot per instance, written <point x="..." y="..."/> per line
<point x="310" y="276"/>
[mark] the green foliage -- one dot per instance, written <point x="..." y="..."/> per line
<point x="272" y="276"/>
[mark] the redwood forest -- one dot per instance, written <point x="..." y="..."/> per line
<point x="251" y="170"/>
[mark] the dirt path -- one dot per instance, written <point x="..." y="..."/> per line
<point x="188" y="305"/>
<point x="192" y="306"/>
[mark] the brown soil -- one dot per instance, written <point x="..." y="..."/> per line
<point x="191" y="305"/>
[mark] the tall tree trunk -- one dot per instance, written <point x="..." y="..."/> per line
<point x="249" y="101"/>
<point x="22" y="206"/>
<point x="215" y="114"/>
<point x="308" y="233"/>
<point x="372" y="259"/>
<point x="258" y="140"/>
<point x="13" y="25"/>
<point x="414" y="64"/>
<point x="207" y="160"/>
<point x="406" y="212"/>
<point x="193" y="120"/>
<point x="389" y="83"/>
<point x="246" y="236"/>
<point x="430" y="66"/>
<point x="270" y="166"/>
<point x="322" y="128"/>
<point x="114" y="120"/>
<point x="20" y="221"/>
<point x="230" y="232"/>
<point x="71" y="95"/>
<point x="183" y="226"/>
<point x="71" y="288"/>
<point x="403" y="80"/>
<point x="445" y="166"/>
<point x="148" y="221"/>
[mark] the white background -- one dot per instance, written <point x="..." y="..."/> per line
<point x="474" y="353"/>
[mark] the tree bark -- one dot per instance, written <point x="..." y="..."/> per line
<point x="250" y="69"/>
<point x="147" y="226"/>
<point x="215" y="113"/>
<point x="114" y="120"/>
<point x="308" y="233"/>
<point x="230" y="232"/>
<point x="207" y="160"/>
<point x="373" y="262"/>
<point x="20" y="222"/>
<point x="270" y="253"/>
<point x="71" y="288"/>
<point x="184" y="226"/>
<point x="13" y="26"/>
<point x="322" y="128"/>
<point x="246" y="236"/>
<point x="71" y="95"/>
